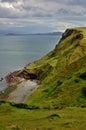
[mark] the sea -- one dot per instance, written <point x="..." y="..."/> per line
<point x="16" y="51"/>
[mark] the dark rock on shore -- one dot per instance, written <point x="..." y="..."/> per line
<point x="1" y="79"/>
<point x="14" y="78"/>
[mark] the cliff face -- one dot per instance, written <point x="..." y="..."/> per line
<point x="62" y="73"/>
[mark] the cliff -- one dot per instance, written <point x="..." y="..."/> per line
<point x="62" y="73"/>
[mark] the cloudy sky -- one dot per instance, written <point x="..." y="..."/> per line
<point x="31" y="16"/>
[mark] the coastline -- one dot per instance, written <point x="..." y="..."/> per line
<point x="23" y="91"/>
<point x="14" y="78"/>
<point x="3" y="84"/>
<point x="18" y="87"/>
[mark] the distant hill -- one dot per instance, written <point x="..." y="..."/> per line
<point x="16" y="34"/>
<point x="50" y="33"/>
<point x="62" y="73"/>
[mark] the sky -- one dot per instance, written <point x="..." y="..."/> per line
<point x="39" y="16"/>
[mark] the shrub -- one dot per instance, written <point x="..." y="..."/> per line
<point x="76" y="80"/>
<point x="33" y="107"/>
<point x="19" y="105"/>
<point x="83" y="76"/>
<point x="84" y="91"/>
<point x="59" y="83"/>
<point x="53" y="116"/>
<point x="24" y="106"/>
<point x="2" y="101"/>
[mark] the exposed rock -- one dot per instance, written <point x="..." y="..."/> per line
<point x="77" y="37"/>
<point x="26" y="75"/>
<point x="18" y="76"/>
<point x="14" y="78"/>
<point x="67" y="33"/>
<point x="1" y="79"/>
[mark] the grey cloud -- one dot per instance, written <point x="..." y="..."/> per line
<point x="9" y="1"/>
<point x="70" y="12"/>
<point x="62" y="10"/>
<point x="54" y="14"/>
<point x="74" y="2"/>
<point x="67" y="2"/>
<point x="5" y="13"/>
<point x="77" y="2"/>
<point x="41" y="8"/>
<point x="11" y="13"/>
<point x="37" y="11"/>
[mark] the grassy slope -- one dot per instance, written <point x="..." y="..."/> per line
<point x="62" y="73"/>
<point x="12" y="118"/>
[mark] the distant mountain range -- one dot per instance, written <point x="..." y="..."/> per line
<point x="12" y="34"/>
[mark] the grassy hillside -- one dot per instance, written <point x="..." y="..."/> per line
<point x="12" y="118"/>
<point x="62" y="73"/>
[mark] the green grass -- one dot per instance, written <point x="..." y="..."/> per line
<point x="62" y="65"/>
<point x="12" y="118"/>
<point x="60" y="101"/>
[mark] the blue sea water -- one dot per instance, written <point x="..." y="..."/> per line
<point x="17" y="51"/>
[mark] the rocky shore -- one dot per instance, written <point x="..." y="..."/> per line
<point x="24" y="84"/>
<point x="13" y="78"/>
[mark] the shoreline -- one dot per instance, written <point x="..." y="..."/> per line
<point x="14" y="78"/>
<point x="18" y="89"/>
<point x="3" y="84"/>
<point x="11" y="78"/>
